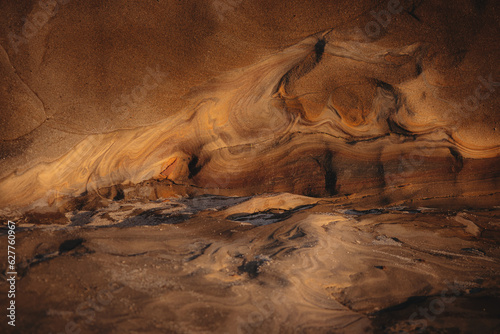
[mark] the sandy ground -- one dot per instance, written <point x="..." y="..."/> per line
<point x="267" y="264"/>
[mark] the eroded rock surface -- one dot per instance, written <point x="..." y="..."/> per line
<point x="275" y="263"/>
<point x="234" y="166"/>
<point x="319" y="102"/>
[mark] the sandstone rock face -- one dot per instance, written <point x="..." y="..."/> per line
<point x="251" y="166"/>
<point x="316" y="98"/>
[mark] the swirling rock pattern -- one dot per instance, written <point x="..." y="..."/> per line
<point x="320" y="109"/>
<point x="277" y="263"/>
<point x="237" y="166"/>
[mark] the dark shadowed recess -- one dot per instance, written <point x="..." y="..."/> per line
<point x="438" y="314"/>
<point x="187" y="208"/>
<point x="267" y="217"/>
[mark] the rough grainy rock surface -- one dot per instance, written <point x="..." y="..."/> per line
<point x="316" y="98"/>
<point x="276" y="263"/>
<point x="251" y="166"/>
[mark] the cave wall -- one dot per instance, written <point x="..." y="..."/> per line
<point x="318" y="98"/>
